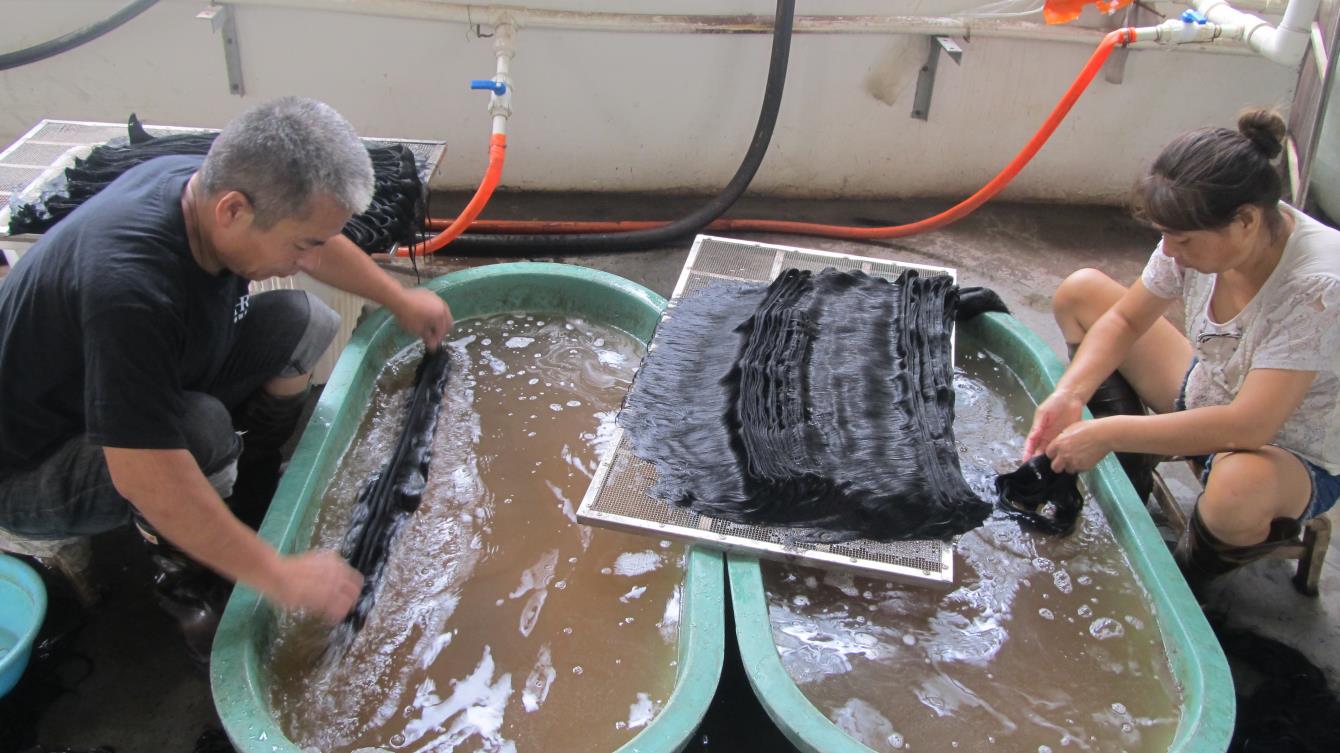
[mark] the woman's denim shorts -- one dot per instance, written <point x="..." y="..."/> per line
<point x="1325" y="486"/>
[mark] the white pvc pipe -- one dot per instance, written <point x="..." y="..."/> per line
<point x="1285" y="44"/>
<point x="500" y="106"/>
<point x="539" y="18"/>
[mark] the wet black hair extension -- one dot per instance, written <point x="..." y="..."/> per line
<point x="395" y="491"/>
<point x="399" y="200"/>
<point x="1039" y="498"/>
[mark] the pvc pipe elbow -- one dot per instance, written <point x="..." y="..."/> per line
<point x="1283" y="46"/>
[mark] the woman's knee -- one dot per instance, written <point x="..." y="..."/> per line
<point x="1084" y="290"/>
<point x="1243" y="494"/>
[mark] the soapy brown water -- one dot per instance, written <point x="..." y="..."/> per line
<point x="501" y="624"/>
<point x="1042" y="644"/>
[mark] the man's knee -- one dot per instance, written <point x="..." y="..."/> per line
<point x="211" y="440"/>
<point x="303" y="319"/>
<point x="322" y="325"/>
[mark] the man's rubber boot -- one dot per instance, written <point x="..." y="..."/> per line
<point x="1116" y="397"/>
<point x="188" y="591"/>
<point x="1202" y="556"/>
<point x="266" y="422"/>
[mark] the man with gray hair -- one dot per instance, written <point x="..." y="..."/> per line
<point x="130" y="349"/>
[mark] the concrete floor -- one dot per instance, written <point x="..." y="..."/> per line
<point x="137" y="691"/>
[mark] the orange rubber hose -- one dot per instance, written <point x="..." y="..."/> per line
<point x="492" y="176"/>
<point x="956" y="212"/>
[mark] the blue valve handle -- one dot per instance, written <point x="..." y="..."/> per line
<point x="497" y="87"/>
<point x="1193" y="17"/>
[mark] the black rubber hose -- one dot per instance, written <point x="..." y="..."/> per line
<point x="689" y="224"/>
<point x="68" y="42"/>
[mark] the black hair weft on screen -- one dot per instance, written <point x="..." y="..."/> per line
<point x="821" y="402"/>
<point x="399" y="200"/>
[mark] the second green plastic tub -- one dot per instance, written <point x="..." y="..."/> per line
<point x="1206" y="716"/>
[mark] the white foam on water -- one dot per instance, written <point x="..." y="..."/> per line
<point x="630" y="564"/>
<point x="462" y="342"/>
<point x="1104" y="628"/>
<point x="530" y="613"/>
<point x="473" y="709"/>
<point x="493" y="362"/>
<point x="864" y="722"/>
<point x="641" y="712"/>
<point x="538" y="575"/>
<point x="610" y="358"/>
<point x="519" y="342"/>
<point x="634" y="593"/>
<point x="569" y="511"/>
<point x="539" y="681"/>
<point x="669" y="624"/>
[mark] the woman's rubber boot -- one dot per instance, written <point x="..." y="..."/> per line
<point x="1202" y="556"/>
<point x="190" y="592"/>
<point x="1116" y="397"/>
<point x="266" y="422"/>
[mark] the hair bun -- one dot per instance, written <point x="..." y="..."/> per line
<point x="1265" y="129"/>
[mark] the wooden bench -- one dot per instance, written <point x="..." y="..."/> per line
<point x="1310" y="550"/>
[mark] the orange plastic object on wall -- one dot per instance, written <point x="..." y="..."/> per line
<point x="1065" y="11"/>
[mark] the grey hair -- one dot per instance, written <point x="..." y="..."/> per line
<point x="286" y="152"/>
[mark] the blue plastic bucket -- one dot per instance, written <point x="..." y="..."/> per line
<point x="23" y="603"/>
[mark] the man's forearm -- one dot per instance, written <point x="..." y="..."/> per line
<point x="342" y="264"/>
<point x="169" y="490"/>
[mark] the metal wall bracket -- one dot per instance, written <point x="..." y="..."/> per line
<point x="921" y="103"/>
<point x="220" y="19"/>
<point x="1114" y="70"/>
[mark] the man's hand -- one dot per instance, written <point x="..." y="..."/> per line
<point x="423" y="313"/>
<point x="1059" y="410"/>
<point x="319" y="582"/>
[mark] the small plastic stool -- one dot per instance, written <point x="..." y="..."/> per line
<point x="1310" y="550"/>
<point x="71" y="557"/>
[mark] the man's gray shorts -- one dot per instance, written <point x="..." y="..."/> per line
<point x="284" y="333"/>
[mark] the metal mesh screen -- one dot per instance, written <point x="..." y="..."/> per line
<point x="618" y="496"/>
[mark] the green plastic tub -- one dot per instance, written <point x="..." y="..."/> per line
<point x="237" y="671"/>
<point x="1198" y="663"/>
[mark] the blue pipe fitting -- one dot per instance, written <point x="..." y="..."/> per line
<point x="1190" y="16"/>
<point x="497" y="87"/>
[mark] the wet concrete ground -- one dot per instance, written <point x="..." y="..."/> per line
<point x="123" y="679"/>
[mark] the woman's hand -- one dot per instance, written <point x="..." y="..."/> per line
<point x="1059" y="410"/>
<point x="1080" y="446"/>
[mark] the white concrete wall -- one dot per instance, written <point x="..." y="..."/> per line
<point x="646" y="111"/>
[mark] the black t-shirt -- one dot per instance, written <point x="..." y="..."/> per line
<point x="108" y="318"/>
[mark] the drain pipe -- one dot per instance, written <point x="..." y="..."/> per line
<point x="500" y="107"/>
<point x="1284" y="44"/>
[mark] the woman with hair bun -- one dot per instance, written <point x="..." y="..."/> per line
<point x="1250" y="391"/>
